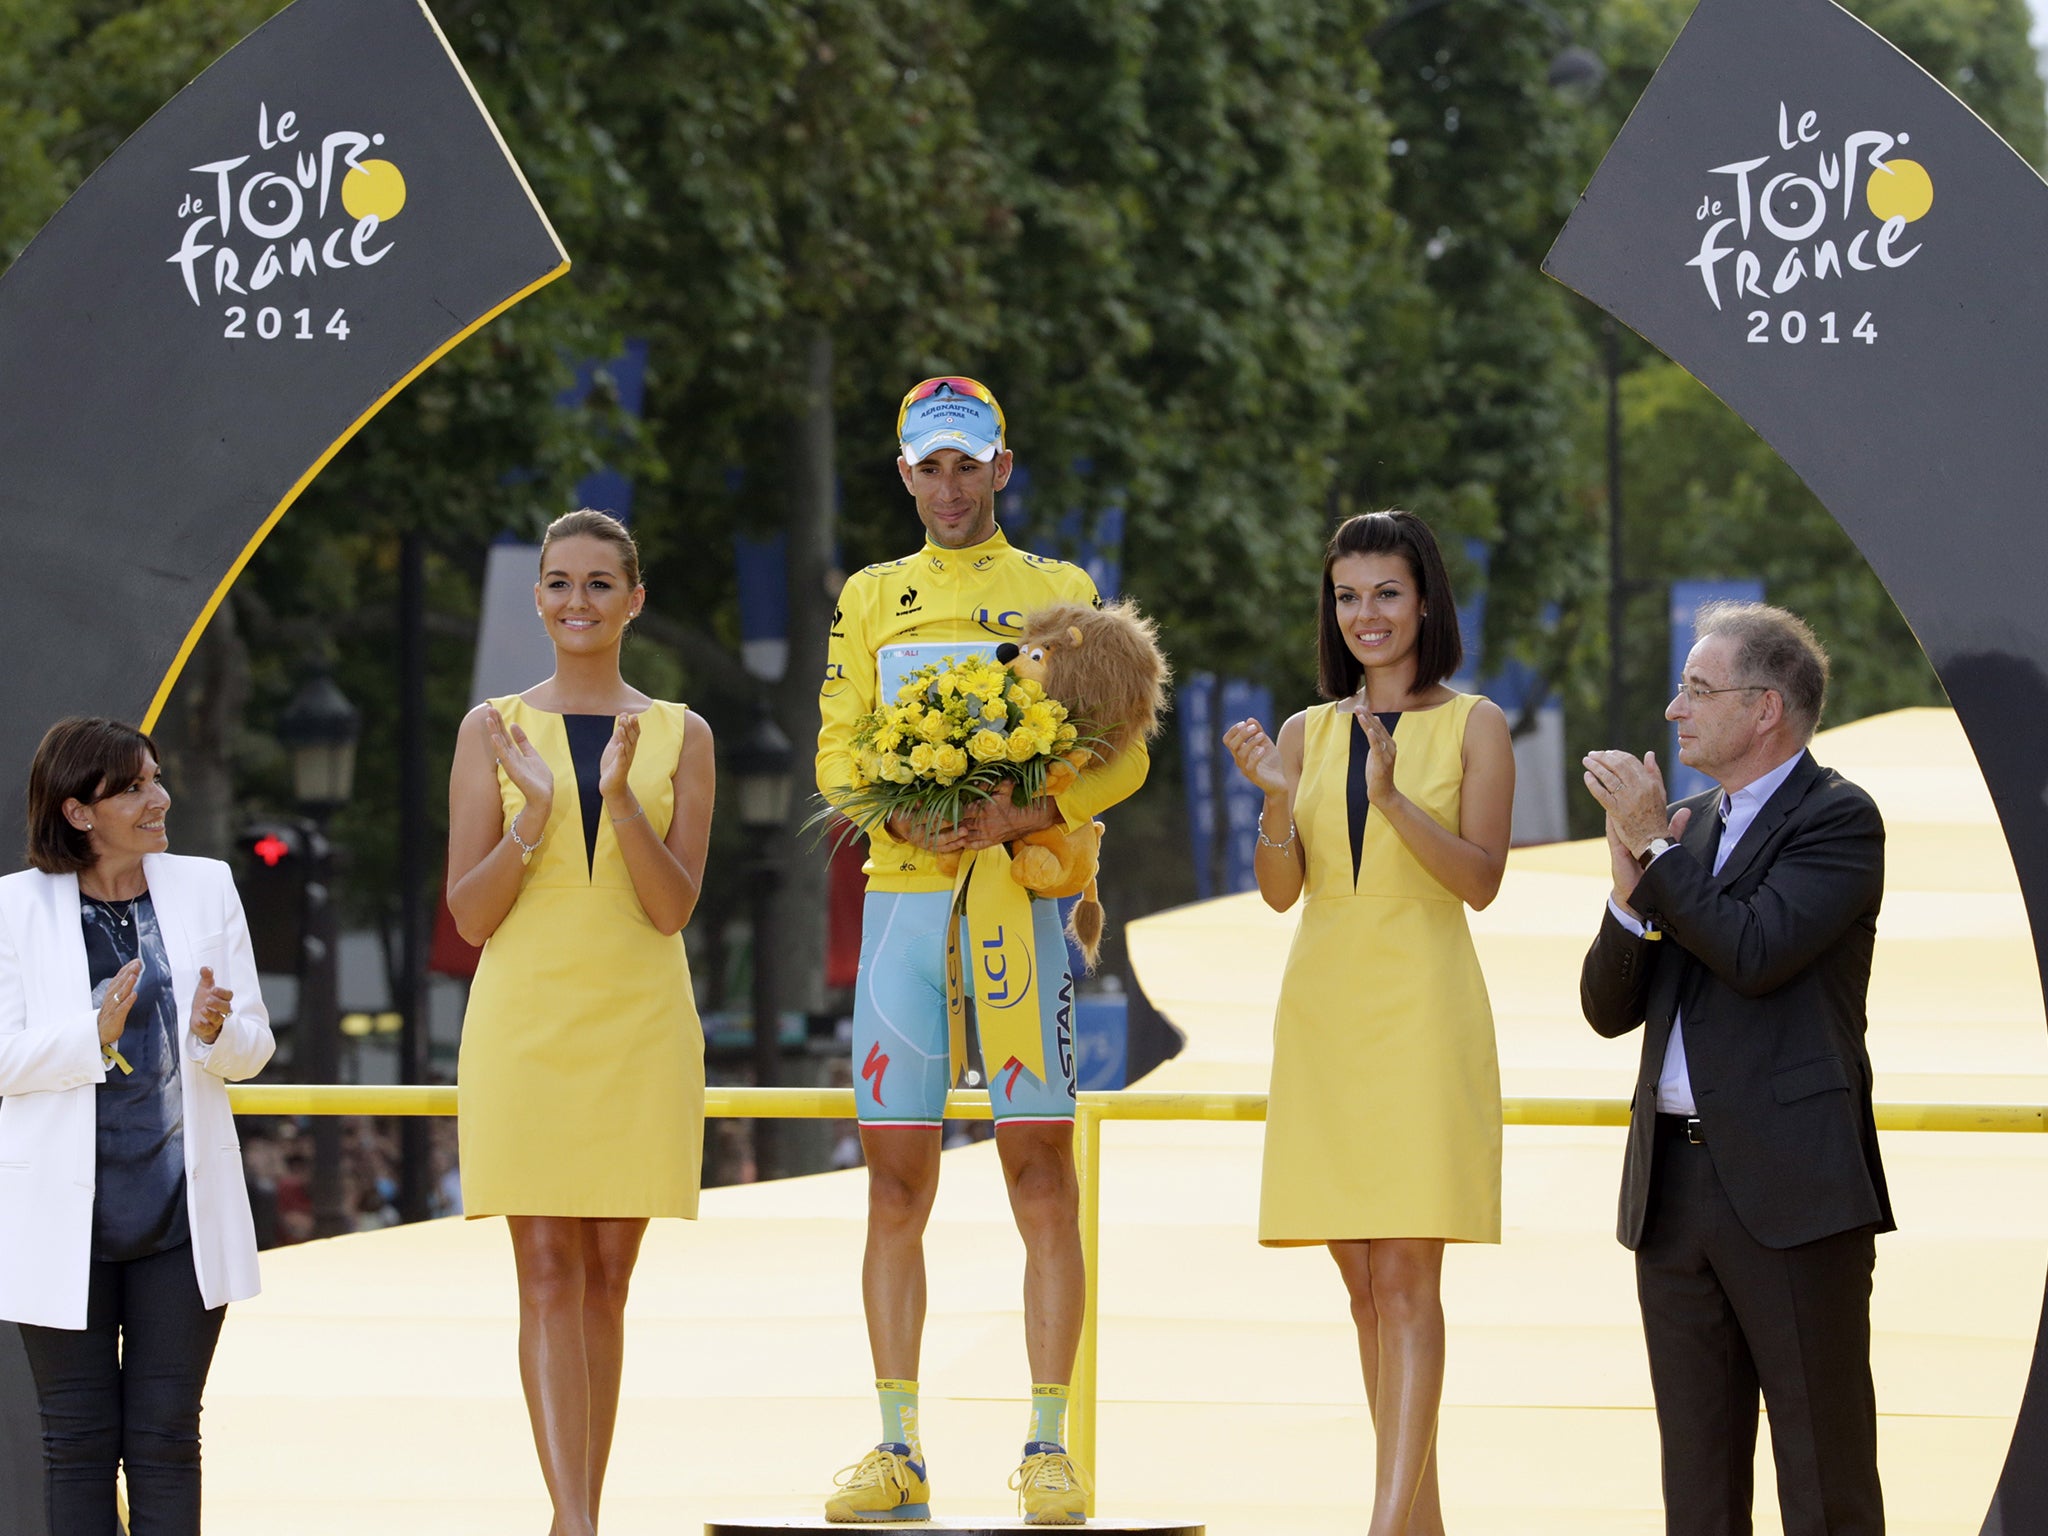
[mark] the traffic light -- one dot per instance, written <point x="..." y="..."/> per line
<point x="271" y="865"/>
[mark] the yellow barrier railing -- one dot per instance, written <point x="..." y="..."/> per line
<point x="1094" y="1108"/>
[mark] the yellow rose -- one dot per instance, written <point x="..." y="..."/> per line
<point x="995" y="712"/>
<point x="1068" y="733"/>
<point x="987" y="746"/>
<point x="921" y="760"/>
<point x="1025" y="744"/>
<point x="897" y="771"/>
<point x="934" y="727"/>
<point x="952" y="762"/>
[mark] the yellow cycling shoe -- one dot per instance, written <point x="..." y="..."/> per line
<point x="885" y="1484"/>
<point x="1051" y="1490"/>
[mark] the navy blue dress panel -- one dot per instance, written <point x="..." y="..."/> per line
<point x="138" y="1205"/>
<point x="1355" y="799"/>
<point x="587" y="737"/>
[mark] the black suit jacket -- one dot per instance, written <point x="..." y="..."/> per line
<point x="1768" y="964"/>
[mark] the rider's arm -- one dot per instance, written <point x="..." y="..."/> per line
<point x="847" y="692"/>
<point x="1100" y="788"/>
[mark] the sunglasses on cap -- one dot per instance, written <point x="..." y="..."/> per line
<point x="973" y="389"/>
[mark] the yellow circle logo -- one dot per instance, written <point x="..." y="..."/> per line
<point x="379" y="189"/>
<point x="1899" y="189"/>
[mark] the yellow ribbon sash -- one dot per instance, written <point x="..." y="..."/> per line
<point x="1005" y="965"/>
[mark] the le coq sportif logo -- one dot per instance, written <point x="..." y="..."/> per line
<point x="1797" y="229"/>
<point x="297" y="200"/>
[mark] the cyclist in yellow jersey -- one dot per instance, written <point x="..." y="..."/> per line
<point x="966" y="591"/>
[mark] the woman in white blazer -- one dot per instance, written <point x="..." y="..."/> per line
<point x="128" y="1002"/>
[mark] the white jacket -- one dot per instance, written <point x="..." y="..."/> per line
<point x="50" y="1069"/>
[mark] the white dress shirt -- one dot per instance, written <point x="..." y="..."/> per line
<point x="1674" y="1083"/>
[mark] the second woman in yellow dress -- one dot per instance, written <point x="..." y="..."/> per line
<point x="579" y="813"/>
<point x="1389" y="806"/>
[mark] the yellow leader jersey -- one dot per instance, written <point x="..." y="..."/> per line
<point x="904" y="614"/>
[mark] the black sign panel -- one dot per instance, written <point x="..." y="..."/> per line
<point x="241" y="286"/>
<point x="1818" y="231"/>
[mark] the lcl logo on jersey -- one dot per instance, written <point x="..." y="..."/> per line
<point x="1007" y="622"/>
<point x="984" y="562"/>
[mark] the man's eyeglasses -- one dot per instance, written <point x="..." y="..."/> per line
<point x="1694" y="692"/>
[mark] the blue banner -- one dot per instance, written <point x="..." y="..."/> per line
<point x="763" y="569"/>
<point x="1242" y="799"/>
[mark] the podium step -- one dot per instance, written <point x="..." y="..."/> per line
<point x="1098" y="1524"/>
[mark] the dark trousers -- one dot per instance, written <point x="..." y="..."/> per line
<point x="126" y="1390"/>
<point x="1725" y="1316"/>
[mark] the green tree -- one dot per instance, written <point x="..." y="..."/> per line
<point x="1486" y="389"/>
<point x="1202" y="242"/>
<point x="34" y="119"/>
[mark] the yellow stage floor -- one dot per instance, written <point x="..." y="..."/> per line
<point x="373" y="1387"/>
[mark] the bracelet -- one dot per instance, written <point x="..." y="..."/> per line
<point x="638" y="812"/>
<point x="1267" y="842"/>
<point x="526" y="850"/>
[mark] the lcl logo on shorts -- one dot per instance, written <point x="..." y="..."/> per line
<point x="1000" y="989"/>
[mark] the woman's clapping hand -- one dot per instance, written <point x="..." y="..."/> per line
<point x="210" y="1006"/>
<point x="521" y="760"/>
<point x="1256" y="756"/>
<point x="117" y="1000"/>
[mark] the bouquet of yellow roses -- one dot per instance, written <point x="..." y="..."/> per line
<point x="957" y="731"/>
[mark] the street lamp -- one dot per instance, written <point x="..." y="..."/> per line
<point x="319" y="728"/>
<point x="761" y="763"/>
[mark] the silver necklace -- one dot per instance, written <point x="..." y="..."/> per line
<point x="122" y="914"/>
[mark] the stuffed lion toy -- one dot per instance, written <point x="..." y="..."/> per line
<point x="1104" y="664"/>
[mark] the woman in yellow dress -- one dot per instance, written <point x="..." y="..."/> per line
<point x="578" y="816"/>
<point x="1389" y="806"/>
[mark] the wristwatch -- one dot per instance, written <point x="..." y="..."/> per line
<point x="1657" y="846"/>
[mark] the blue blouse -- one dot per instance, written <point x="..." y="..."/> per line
<point x="138" y="1205"/>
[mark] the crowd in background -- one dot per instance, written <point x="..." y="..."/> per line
<point x="277" y="1158"/>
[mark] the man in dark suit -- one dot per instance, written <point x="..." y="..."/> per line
<point x="1740" y="933"/>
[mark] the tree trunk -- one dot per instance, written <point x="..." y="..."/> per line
<point x="812" y="526"/>
<point x="197" y="733"/>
